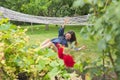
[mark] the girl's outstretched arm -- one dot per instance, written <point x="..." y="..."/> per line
<point x="66" y="20"/>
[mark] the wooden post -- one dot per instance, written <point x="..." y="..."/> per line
<point x="47" y="27"/>
<point x="31" y="28"/>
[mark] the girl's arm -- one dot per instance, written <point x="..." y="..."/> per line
<point x="66" y="20"/>
<point x="61" y="30"/>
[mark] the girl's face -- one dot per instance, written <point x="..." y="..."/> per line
<point x="67" y="36"/>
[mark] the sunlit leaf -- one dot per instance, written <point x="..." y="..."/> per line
<point x="5" y="26"/>
<point x="78" y="3"/>
<point x="107" y="37"/>
<point x="54" y="64"/>
<point x="53" y="72"/>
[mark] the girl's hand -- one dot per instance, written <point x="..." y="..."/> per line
<point x="66" y="20"/>
<point x="81" y="48"/>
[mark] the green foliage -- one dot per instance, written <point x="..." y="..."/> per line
<point x="45" y="7"/>
<point x="106" y="19"/>
<point x="38" y="7"/>
<point x="13" y="4"/>
<point x="20" y="60"/>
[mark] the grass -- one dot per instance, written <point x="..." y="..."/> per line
<point x="38" y="34"/>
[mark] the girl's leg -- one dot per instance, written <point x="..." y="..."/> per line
<point x="45" y="42"/>
<point x="49" y="44"/>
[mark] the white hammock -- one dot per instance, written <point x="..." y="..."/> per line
<point x="17" y="16"/>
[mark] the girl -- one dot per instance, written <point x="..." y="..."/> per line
<point x="62" y="39"/>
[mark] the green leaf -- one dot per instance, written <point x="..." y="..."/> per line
<point x="54" y="64"/>
<point x="41" y="64"/>
<point x="5" y="26"/>
<point x="79" y="66"/>
<point x="78" y="3"/>
<point x="53" y="72"/>
<point x="94" y="1"/>
<point x="61" y="63"/>
<point x="100" y="3"/>
<point x="108" y="37"/>
<point x="102" y="45"/>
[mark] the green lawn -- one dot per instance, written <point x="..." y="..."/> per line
<point x="38" y="34"/>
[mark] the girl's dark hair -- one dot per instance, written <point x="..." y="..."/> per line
<point x="73" y="37"/>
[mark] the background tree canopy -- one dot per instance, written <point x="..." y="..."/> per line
<point x="56" y="8"/>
